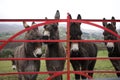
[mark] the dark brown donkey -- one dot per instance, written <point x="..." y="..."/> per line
<point x="81" y="50"/>
<point x="29" y="50"/>
<point x="112" y="47"/>
<point x="54" y="49"/>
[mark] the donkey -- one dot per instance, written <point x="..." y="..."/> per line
<point x="81" y="50"/>
<point x="54" y="49"/>
<point x="112" y="47"/>
<point x="29" y="50"/>
<point x="13" y="61"/>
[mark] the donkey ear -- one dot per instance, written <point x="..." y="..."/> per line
<point x="114" y="23"/>
<point x="57" y="15"/>
<point x="79" y="18"/>
<point x="33" y="23"/>
<point x="45" y="25"/>
<point x="70" y="15"/>
<point x="104" y="23"/>
<point x="46" y="18"/>
<point x="25" y="24"/>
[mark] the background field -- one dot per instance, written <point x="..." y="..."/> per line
<point x="5" y="66"/>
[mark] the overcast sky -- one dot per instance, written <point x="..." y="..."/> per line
<point x="39" y="9"/>
<point x="42" y="8"/>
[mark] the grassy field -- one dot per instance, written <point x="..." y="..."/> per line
<point x="5" y="66"/>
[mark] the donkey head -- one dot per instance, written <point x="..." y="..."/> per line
<point x="109" y="36"/>
<point x="34" y="47"/>
<point x="75" y="33"/>
<point x="51" y="31"/>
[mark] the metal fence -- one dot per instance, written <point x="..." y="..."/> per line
<point x="67" y="58"/>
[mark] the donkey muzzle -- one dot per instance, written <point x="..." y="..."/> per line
<point x="38" y="52"/>
<point x="46" y="35"/>
<point x="74" y="47"/>
<point x="110" y="45"/>
<point x="14" y="67"/>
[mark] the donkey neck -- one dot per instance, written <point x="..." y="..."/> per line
<point x="57" y="35"/>
<point x="117" y="46"/>
<point x="28" y="49"/>
<point x="53" y="50"/>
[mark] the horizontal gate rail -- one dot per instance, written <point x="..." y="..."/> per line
<point x="76" y="58"/>
<point x="64" y="20"/>
<point x="60" y="40"/>
<point x="62" y="72"/>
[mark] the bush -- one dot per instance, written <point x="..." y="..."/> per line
<point x="5" y="53"/>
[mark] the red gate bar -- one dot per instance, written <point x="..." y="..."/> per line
<point x="76" y="58"/>
<point x="31" y="20"/>
<point x="60" y="40"/>
<point x="34" y="40"/>
<point x="42" y="72"/>
<point x="39" y="20"/>
<point x="62" y="72"/>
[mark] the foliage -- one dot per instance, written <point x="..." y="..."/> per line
<point x="5" y="53"/>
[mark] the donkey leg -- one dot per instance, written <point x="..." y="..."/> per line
<point x="116" y="64"/>
<point x="76" y="67"/>
<point x="19" y="77"/>
<point x="28" y="78"/>
<point x="84" y="67"/>
<point x="91" y="67"/>
<point x="58" y="78"/>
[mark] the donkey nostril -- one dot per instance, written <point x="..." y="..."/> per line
<point x="39" y="55"/>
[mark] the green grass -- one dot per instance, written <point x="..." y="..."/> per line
<point x="103" y="65"/>
<point x="5" y="66"/>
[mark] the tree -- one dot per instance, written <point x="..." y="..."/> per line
<point x="5" y="53"/>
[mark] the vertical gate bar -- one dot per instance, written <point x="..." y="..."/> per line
<point x="68" y="47"/>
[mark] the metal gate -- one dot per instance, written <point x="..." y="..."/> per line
<point x="67" y="58"/>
